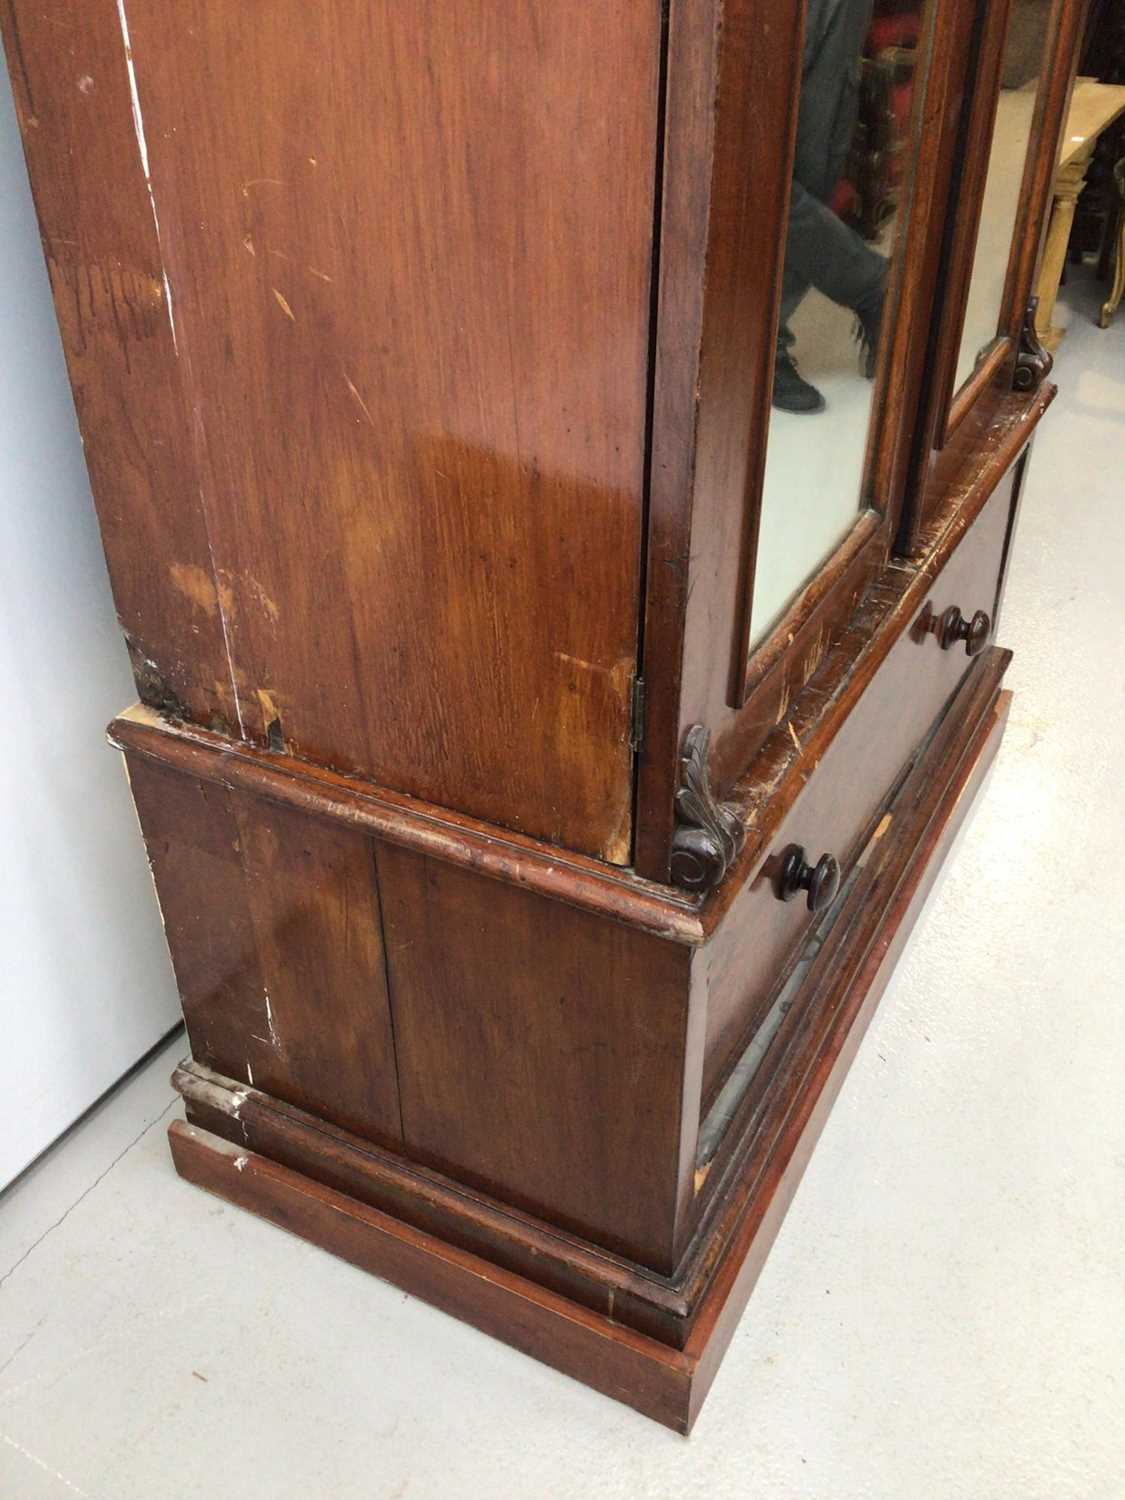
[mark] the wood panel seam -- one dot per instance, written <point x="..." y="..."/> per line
<point x="389" y="983"/>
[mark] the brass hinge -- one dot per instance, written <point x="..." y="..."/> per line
<point x="637" y="714"/>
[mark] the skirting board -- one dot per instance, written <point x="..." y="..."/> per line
<point x="666" y="1384"/>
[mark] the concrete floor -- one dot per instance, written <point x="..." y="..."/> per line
<point x="943" y="1315"/>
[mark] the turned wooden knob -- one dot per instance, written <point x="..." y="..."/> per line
<point x="954" y="627"/>
<point x="821" y="880"/>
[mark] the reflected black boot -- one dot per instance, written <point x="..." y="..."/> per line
<point x="790" y="392"/>
<point x="868" y="328"/>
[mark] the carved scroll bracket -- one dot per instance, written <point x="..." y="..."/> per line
<point x="708" y="833"/>
<point x="1033" y="363"/>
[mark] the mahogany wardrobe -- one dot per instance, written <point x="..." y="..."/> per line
<point x="558" y="467"/>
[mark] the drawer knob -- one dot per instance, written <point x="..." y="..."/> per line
<point x="954" y="627"/>
<point x="821" y="880"/>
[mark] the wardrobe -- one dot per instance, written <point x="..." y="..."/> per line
<point x="547" y="728"/>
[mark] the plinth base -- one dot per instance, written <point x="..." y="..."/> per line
<point x="665" y="1382"/>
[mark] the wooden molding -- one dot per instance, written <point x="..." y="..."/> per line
<point x="714" y="340"/>
<point x="411" y="823"/>
<point x="990" y="372"/>
<point x="975" y="135"/>
<point x="944" y="411"/>
<point x="434" y="1203"/>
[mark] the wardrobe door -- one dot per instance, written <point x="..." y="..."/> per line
<point x="858" y="113"/>
<point x="985" y="345"/>
<point x="812" y="194"/>
<point x="1010" y="95"/>
<point x="356" y="297"/>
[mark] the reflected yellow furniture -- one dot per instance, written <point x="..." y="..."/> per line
<point x="1093" y="109"/>
<point x="1113" y="301"/>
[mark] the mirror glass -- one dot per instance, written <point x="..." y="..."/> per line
<point x="1023" y="60"/>
<point x="862" y="69"/>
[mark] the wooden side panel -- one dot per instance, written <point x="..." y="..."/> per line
<point x="542" y="1053"/>
<point x="410" y="252"/>
<point x="193" y="850"/>
<point x="546" y="1055"/>
<point x="274" y="927"/>
<point x="314" y="903"/>
<point x="86" y="157"/>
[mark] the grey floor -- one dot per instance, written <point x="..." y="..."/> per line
<point x="943" y="1314"/>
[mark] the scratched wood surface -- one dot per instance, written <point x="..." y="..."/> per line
<point x="274" y="927"/>
<point x="394" y="280"/>
<point x="71" y="84"/>
<point x="543" y="1054"/>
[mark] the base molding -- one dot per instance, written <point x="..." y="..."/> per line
<point x="593" y="1344"/>
<point x="613" y="1359"/>
<point x="432" y="1203"/>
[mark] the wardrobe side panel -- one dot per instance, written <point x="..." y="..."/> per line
<point x="410" y="249"/>
<point x="273" y="922"/>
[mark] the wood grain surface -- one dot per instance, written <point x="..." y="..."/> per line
<point x="105" y="255"/>
<point x="274" y="928"/>
<point x="546" y="1056"/>
<point x="388" y="389"/>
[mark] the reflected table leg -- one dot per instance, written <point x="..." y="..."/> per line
<point x="1113" y="301"/>
<point x="1070" y="179"/>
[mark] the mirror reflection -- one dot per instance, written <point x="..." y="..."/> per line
<point x="850" y="182"/>
<point x="1023" y="59"/>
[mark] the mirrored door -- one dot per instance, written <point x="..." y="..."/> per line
<point x="862" y="76"/>
<point x="1022" y="66"/>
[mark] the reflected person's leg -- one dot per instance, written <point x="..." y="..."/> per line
<point x="793" y="290"/>
<point x="821" y="250"/>
<point x="824" y="252"/>
<point x="790" y="391"/>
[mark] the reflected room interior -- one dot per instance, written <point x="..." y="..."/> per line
<point x="861" y="77"/>
<point x="1021" y="67"/>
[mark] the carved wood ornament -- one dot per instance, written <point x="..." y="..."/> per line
<point x="709" y="833"/>
<point x="1033" y="363"/>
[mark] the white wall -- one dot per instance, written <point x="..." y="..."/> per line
<point x="85" y="982"/>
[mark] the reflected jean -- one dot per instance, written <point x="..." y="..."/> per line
<point x="821" y="251"/>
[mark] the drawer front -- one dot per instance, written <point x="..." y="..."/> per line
<point x="741" y="964"/>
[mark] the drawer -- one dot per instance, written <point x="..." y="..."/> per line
<point x="740" y="966"/>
